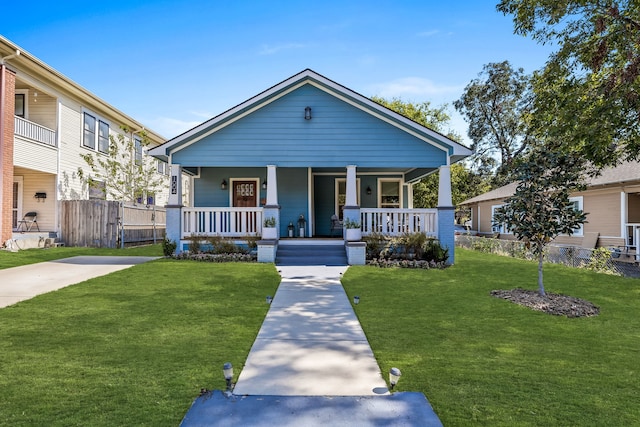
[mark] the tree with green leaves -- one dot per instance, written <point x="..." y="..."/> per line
<point x="124" y="172"/>
<point x="496" y="106"/>
<point x="423" y="113"/>
<point x="540" y="209"/>
<point x="464" y="183"/>
<point x="587" y="95"/>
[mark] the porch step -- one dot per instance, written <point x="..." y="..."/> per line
<point x="312" y="254"/>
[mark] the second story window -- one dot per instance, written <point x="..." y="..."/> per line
<point x="95" y="133"/>
<point x="138" y="151"/>
<point x="103" y="137"/>
<point x="89" y="135"/>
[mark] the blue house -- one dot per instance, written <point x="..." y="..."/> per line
<point x="299" y="153"/>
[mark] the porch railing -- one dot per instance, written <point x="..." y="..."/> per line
<point x="632" y="238"/>
<point x="225" y="222"/>
<point x="34" y="131"/>
<point x="394" y="222"/>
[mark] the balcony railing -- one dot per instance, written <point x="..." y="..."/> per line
<point x="35" y="132"/>
<point x="225" y="222"/>
<point x="394" y="222"/>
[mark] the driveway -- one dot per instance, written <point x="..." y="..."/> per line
<point x="25" y="282"/>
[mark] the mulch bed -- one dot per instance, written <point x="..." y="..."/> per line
<point x="556" y="304"/>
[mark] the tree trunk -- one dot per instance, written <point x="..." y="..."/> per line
<point x="540" y="283"/>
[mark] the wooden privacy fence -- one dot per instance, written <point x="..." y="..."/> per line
<point x="110" y="224"/>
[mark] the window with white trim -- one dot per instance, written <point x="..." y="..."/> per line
<point x="163" y="167"/>
<point x="138" y="150"/>
<point x="577" y="205"/>
<point x="497" y="228"/>
<point x="389" y="193"/>
<point x="89" y="134"/>
<point x="95" y="133"/>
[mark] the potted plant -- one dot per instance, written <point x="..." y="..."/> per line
<point x="353" y="231"/>
<point x="269" y="231"/>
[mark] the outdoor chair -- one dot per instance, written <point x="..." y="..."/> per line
<point x="336" y="225"/>
<point x="27" y="221"/>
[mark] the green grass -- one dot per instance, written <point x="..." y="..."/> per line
<point x="31" y="256"/>
<point x="131" y="348"/>
<point x="485" y="361"/>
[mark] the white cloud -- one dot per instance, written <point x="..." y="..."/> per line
<point x="272" y="50"/>
<point x="428" y="33"/>
<point x="413" y="86"/>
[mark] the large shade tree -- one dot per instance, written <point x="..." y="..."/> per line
<point x="587" y="95"/>
<point x="540" y="209"/>
<point x="465" y="183"/>
<point x="496" y="106"/>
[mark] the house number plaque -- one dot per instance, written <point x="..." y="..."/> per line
<point x="174" y="184"/>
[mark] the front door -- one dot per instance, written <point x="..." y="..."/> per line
<point x="245" y="194"/>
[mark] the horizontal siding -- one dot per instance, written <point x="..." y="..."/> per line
<point x="338" y="134"/>
<point x="603" y="212"/>
<point x="35" y="182"/>
<point x="32" y="155"/>
<point x="42" y="110"/>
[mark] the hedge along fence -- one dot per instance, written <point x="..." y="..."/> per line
<point x="601" y="259"/>
<point x="110" y="224"/>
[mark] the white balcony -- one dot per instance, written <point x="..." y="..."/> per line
<point x="34" y="132"/>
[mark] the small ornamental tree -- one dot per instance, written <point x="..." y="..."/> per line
<point x="540" y="209"/>
<point x="124" y="172"/>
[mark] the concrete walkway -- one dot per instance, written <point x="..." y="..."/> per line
<point x="311" y="365"/>
<point x="311" y="343"/>
<point x="25" y="282"/>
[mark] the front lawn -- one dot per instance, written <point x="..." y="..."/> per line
<point x="131" y="348"/>
<point x="31" y="256"/>
<point x="486" y="361"/>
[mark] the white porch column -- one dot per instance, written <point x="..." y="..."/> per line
<point x="272" y="186"/>
<point x="351" y="210"/>
<point x="174" y="217"/>
<point x="351" y="190"/>
<point x="444" y="186"/>
<point x="410" y="195"/>
<point x="271" y="208"/>
<point x="623" y="216"/>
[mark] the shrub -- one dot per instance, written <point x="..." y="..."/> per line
<point x="195" y="243"/>
<point x="168" y="247"/>
<point x="376" y="243"/>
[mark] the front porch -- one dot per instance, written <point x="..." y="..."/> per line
<point x="237" y="223"/>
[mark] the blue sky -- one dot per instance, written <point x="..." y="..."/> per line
<point x="174" y="64"/>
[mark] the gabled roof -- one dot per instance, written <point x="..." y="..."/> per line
<point x="455" y="150"/>
<point x="628" y="172"/>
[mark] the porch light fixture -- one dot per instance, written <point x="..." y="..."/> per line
<point x="264" y="185"/>
<point x="394" y="377"/>
<point x="356" y="300"/>
<point x="307" y="113"/>
<point x="227" y="370"/>
<point x="368" y="190"/>
<point x="223" y="184"/>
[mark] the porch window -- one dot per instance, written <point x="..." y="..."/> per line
<point x="89" y="135"/>
<point x="390" y="193"/>
<point x="103" y="137"/>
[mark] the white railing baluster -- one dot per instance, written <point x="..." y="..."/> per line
<point x="394" y="222"/>
<point x="225" y="222"/>
<point x="34" y="131"/>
